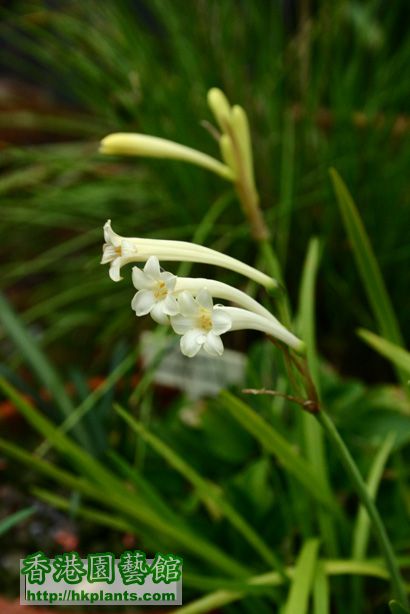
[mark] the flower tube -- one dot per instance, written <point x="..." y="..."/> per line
<point x="243" y="319"/>
<point x="118" y="251"/>
<point x="134" y="144"/>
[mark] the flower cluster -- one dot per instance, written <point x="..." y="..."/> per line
<point x="187" y="303"/>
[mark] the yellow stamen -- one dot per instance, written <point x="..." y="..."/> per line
<point x="160" y="291"/>
<point x="205" y="320"/>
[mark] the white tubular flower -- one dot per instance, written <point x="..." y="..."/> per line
<point x="200" y="324"/>
<point x="155" y="292"/>
<point x="134" y="144"/>
<point x="242" y="319"/>
<point x="122" y="250"/>
<point x="218" y="289"/>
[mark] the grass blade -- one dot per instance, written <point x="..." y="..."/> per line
<point x="85" y="463"/>
<point x="313" y="434"/>
<point x="369" y="270"/>
<point x="8" y="523"/>
<point x="307" y="305"/>
<point x="208" y="492"/>
<point x="150" y="494"/>
<point x="60" y="476"/>
<point x="106" y="520"/>
<point x="302" y="583"/>
<point x="362" y="524"/>
<point x="39" y="363"/>
<point x="361" y="531"/>
<point x="81" y="410"/>
<point x="397" y="355"/>
<point x="321" y="591"/>
<point x="277" y="445"/>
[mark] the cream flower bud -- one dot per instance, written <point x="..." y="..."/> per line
<point x="220" y="107"/>
<point x="133" y="144"/>
<point x="228" y="153"/>
<point x="240" y="127"/>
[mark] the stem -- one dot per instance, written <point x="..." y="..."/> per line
<point x="375" y="519"/>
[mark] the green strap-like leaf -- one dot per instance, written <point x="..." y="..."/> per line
<point x="208" y="492"/>
<point x="362" y="525"/>
<point x="10" y="521"/>
<point x="394" y="353"/>
<point x="89" y="402"/>
<point x="303" y="577"/>
<point x="321" y="591"/>
<point x="368" y="267"/>
<point x="276" y="444"/>
<point x="312" y="432"/>
<point x="39" y="363"/>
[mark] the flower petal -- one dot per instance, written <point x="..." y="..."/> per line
<point x="143" y="302"/>
<point x="191" y="343"/>
<point x="204" y="298"/>
<point x="109" y="253"/>
<point x="170" y="305"/>
<point x="158" y="314"/>
<point x="187" y="304"/>
<point x="110" y="236"/>
<point x="221" y="322"/>
<point x="169" y="279"/>
<point x="140" y="280"/>
<point x="181" y="324"/>
<point x="152" y="269"/>
<point x="114" y="271"/>
<point x="213" y="344"/>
